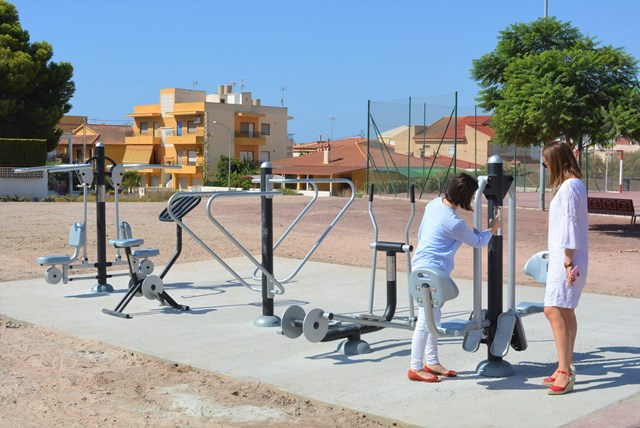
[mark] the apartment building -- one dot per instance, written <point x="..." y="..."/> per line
<point x="193" y="129"/>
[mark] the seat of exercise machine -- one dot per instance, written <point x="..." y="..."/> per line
<point x="54" y="260"/>
<point x="76" y="240"/>
<point x="180" y="208"/>
<point x="127" y="243"/>
<point x="144" y="253"/>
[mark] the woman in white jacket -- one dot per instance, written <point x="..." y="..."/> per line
<point x="440" y="236"/>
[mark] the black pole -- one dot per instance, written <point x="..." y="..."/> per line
<point x="494" y="260"/>
<point x="496" y="189"/>
<point x="268" y="319"/>
<point x="101" y="224"/>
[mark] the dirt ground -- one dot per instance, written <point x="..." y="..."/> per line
<point x="50" y="378"/>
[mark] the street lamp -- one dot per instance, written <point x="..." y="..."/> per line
<point x="215" y="122"/>
<point x="332" y="118"/>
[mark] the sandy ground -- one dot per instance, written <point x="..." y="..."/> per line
<point x="49" y="378"/>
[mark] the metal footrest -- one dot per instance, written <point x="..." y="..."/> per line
<point x="528" y="308"/>
<point x="504" y="331"/>
<point x="472" y="340"/>
<point x="370" y="317"/>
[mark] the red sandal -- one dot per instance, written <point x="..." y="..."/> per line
<point x="415" y="376"/>
<point x="450" y="373"/>
<point x="559" y="390"/>
<point x="549" y="380"/>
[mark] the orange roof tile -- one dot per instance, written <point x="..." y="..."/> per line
<point x="439" y="128"/>
<point x="348" y="155"/>
<point x="107" y="134"/>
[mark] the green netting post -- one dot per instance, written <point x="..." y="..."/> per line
<point x="409" y="150"/>
<point x="455" y="134"/>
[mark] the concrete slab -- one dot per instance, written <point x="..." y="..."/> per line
<point x="218" y="335"/>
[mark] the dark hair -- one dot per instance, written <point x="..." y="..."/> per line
<point x="561" y="162"/>
<point x="460" y="191"/>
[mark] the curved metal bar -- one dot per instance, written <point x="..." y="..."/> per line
<point x="412" y="199"/>
<point x="373" y="251"/>
<point x="511" y="250"/>
<point x="56" y="168"/>
<point x="270" y="277"/>
<point x="314" y="183"/>
<point x="477" y="252"/>
<point x="213" y="254"/>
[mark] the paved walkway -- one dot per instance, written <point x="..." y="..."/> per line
<point x="218" y="335"/>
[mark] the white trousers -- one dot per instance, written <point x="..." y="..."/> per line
<point x="424" y="345"/>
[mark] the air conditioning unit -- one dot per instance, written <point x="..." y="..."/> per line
<point x="196" y="119"/>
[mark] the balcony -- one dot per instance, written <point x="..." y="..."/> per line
<point x="141" y="139"/>
<point x="249" y="139"/>
<point x="193" y="169"/>
<point x="185" y="139"/>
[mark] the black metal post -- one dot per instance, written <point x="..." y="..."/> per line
<point x="268" y="319"/>
<point x="496" y="189"/>
<point x="101" y="224"/>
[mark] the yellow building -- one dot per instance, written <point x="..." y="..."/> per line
<point x="191" y="128"/>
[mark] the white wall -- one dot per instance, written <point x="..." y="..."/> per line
<point x="23" y="185"/>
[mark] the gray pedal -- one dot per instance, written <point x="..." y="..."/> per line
<point x="504" y="331"/>
<point x="471" y="342"/>
<point x="528" y="308"/>
<point x="370" y="317"/>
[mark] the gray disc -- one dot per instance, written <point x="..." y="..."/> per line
<point x="315" y="326"/>
<point x="292" y="314"/>
<point x="53" y="275"/>
<point x="146" y="266"/>
<point x="152" y="286"/>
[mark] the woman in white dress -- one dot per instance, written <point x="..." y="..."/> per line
<point x="568" y="258"/>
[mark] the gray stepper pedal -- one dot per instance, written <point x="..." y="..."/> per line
<point x="504" y="331"/>
<point x="471" y="341"/>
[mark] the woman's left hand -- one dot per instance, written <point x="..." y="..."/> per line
<point x="572" y="275"/>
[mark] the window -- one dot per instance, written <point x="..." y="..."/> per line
<point x="179" y="131"/>
<point x="246" y="155"/>
<point x="144" y="127"/>
<point x="191" y="127"/>
<point x="265" y="156"/>
<point x="246" y="128"/>
<point x="156" y="129"/>
<point x="450" y="149"/>
<point x="179" y="159"/>
<point x="192" y="157"/>
<point x="265" y="128"/>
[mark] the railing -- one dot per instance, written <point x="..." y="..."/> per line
<point x="254" y="134"/>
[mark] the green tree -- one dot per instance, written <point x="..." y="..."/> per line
<point x="545" y="80"/>
<point x="34" y="91"/>
<point x="240" y="169"/>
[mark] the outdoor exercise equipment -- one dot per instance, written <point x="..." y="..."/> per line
<point x="95" y="168"/>
<point x="316" y="325"/>
<point x="270" y="285"/>
<point x="314" y="184"/>
<point x="150" y="286"/>
<point x="494" y="327"/>
<point x="77" y="232"/>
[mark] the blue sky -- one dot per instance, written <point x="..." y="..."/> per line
<point x="332" y="56"/>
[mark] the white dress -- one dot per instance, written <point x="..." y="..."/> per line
<point x="568" y="228"/>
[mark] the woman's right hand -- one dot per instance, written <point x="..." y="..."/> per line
<point x="494" y="224"/>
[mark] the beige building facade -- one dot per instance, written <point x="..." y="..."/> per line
<point x="193" y="129"/>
